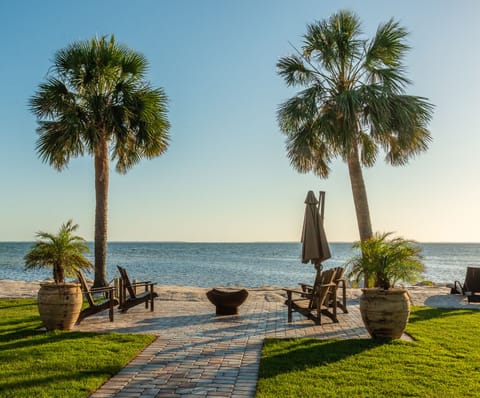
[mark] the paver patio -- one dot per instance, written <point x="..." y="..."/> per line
<point x="197" y="354"/>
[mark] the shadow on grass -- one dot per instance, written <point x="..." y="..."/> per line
<point x="17" y="315"/>
<point x="427" y="313"/>
<point x="301" y="354"/>
<point x="91" y="379"/>
<point x="14" y="324"/>
<point x="6" y="303"/>
<point x="18" y="339"/>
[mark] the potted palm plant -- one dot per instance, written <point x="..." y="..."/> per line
<point x="59" y="302"/>
<point x="383" y="261"/>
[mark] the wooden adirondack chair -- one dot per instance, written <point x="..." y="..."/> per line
<point x="339" y="279"/>
<point x="96" y="306"/>
<point x="133" y="298"/>
<point x="314" y="303"/>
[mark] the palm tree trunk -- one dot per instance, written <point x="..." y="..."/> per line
<point x="359" y="196"/>
<point x="102" y="170"/>
<point x="59" y="274"/>
<point x="360" y="199"/>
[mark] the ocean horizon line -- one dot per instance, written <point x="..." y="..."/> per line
<point x="249" y="242"/>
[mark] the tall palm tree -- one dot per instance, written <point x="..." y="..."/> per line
<point x="96" y="101"/>
<point x="353" y="103"/>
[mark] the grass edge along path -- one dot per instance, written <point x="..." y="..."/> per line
<point x="58" y="363"/>
<point x="444" y="360"/>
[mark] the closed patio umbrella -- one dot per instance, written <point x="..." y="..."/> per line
<point x="314" y="241"/>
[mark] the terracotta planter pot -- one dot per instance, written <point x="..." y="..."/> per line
<point x="385" y="312"/>
<point x="59" y="305"/>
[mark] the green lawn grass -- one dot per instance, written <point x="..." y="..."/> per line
<point x="57" y="364"/>
<point x="443" y="361"/>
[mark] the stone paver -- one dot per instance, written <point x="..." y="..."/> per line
<point x="197" y="354"/>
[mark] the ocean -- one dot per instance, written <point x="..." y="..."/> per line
<point x="234" y="264"/>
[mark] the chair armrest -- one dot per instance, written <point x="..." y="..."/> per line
<point x="457" y="286"/>
<point x="99" y="289"/>
<point x="306" y="286"/>
<point x="329" y="284"/>
<point x="294" y="291"/>
<point x="146" y="283"/>
<point x="304" y="295"/>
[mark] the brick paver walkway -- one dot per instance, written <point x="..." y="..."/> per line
<point x="197" y="354"/>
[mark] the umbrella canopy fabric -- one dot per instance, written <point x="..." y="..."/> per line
<point x="314" y="241"/>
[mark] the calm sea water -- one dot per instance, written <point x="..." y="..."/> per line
<point x="233" y="264"/>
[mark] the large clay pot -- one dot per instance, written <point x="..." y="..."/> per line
<point x="385" y="312"/>
<point x="59" y="305"/>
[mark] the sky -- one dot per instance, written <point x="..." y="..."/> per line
<point x="226" y="176"/>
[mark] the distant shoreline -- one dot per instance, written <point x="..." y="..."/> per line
<point x="432" y="296"/>
<point x="420" y="295"/>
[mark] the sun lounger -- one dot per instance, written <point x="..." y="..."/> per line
<point x="128" y="292"/>
<point x="96" y="306"/>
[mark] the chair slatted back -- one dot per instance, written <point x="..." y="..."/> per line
<point x="339" y="274"/>
<point x="322" y="287"/>
<point x="85" y="288"/>
<point x="126" y="281"/>
<point x="472" y="280"/>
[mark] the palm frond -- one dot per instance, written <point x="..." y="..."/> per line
<point x="308" y="153"/>
<point x="388" y="47"/>
<point x="384" y="56"/>
<point x="52" y="99"/>
<point x="58" y="142"/>
<point x="407" y="136"/>
<point x="142" y="127"/>
<point x="368" y="150"/>
<point x="334" y="43"/>
<point x="300" y="109"/>
<point x="393" y="80"/>
<point x="294" y="71"/>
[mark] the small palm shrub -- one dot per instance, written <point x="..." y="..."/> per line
<point x="384" y="261"/>
<point x="64" y="252"/>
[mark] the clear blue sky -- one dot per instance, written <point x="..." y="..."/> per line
<point x="226" y="176"/>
